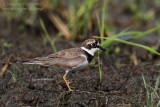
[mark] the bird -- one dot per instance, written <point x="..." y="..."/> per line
<point x="71" y="59"/>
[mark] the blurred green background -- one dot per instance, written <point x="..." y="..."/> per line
<point x="79" y="19"/>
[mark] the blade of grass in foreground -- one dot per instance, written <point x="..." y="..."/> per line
<point x="107" y="43"/>
<point x="101" y="22"/>
<point x="14" y="77"/>
<point x="100" y="69"/>
<point x="137" y="35"/>
<point x="47" y="36"/>
<point x="131" y="43"/>
<point x="101" y="26"/>
<point x="141" y="34"/>
<point x="152" y="97"/>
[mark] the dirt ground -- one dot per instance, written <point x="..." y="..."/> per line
<point x="32" y="85"/>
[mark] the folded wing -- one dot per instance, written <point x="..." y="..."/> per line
<point x="65" y="59"/>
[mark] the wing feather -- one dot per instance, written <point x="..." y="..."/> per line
<point x="68" y="53"/>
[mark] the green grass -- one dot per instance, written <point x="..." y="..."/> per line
<point x="79" y="17"/>
<point x="48" y="36"/>
<point x="104" y="13"/>
<point x="107" y="41"/>
<point x="14" y="76"/>
<point x="80" y="13"/>
<point x="8" y="45"/>
<point x="102" y="27"/>
<point x="100" y="68"/>
<point x="141" y="10"/>
<point x="135" y="35"/>
<point x="134" y="44"/>
<point x="152" y="96"/>
<point x="21" y="9"/>
<point x="101" y="22"/>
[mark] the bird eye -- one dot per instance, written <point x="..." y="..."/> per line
<point x="93" y="44"/>
<point x="89" y="46"/>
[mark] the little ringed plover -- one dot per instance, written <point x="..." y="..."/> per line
<point x="69" y="59"/>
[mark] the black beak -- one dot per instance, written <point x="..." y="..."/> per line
<point x="101" y="48"/>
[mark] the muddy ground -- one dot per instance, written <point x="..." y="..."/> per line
<point x="32" y="85"/>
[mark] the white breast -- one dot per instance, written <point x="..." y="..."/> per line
<point x="82" y="65"/>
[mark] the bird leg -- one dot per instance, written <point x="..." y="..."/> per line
<point x="64" y="77"/>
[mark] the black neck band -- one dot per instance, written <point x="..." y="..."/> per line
<point x="89" y="56"/>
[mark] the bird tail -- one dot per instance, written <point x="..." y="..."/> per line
<point x="32" y="62"/>
<point x="37" y="61"/>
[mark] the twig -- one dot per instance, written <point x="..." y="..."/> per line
<point x="3" y="70"/>
<point x="134" y="57"/>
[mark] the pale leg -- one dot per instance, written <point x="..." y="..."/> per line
<point x="64" y="77"/>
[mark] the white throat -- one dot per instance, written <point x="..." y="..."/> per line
<point x="90" y="51"/>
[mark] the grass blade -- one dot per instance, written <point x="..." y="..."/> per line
<point x="102" y="28"/>
<point x="131" y="43"/>
<point x="100" y="68"/>
<point x="14" y="77"/>
<point x="137" y="35"/>
<point x="158" y="105"/>
<point x="141" y="34"/>
<point x="107" y="43"/>
<point x="47" y="36"/>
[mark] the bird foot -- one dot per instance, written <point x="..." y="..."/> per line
<point x="69" y="82"/>
<point x="70" y="90"/>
